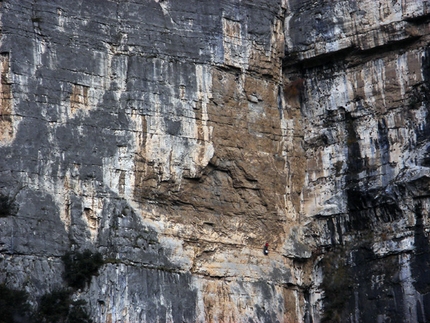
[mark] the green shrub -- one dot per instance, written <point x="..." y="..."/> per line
<point x="58" y="307"/>
<point x="13" y="305"/>
<point x="78" y="314"/>
<point x="54" y="307"/>
<point x="80" y="267"/>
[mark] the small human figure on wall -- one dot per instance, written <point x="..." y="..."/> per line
<point x="266" y="249"/>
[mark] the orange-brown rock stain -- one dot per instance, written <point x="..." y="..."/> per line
<point x="79" y="99"/>
<point x="6" y="116"/>
<point x="243" y="186"/>
<point x="218" y="303"/>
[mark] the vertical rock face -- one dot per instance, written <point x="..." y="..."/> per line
<point x="176" y="138"/>
<point x="151" y="132"/>
<point x="364" y="119"/>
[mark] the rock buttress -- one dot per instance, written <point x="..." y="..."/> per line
<point x="153" y="133"/>
<point x="364" y="113"/>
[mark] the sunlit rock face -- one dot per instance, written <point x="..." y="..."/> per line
<point x="176" y="138"/>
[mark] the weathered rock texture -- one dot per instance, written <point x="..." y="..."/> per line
<point x="176" y="138"/>
<point x="364" y="121"/>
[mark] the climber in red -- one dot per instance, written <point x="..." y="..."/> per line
<point x="266" y="248"/>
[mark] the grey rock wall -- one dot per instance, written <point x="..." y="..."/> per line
<point x="363" y="116"/>
<point x="176" y="138"/>
<point x="119" y="134"/>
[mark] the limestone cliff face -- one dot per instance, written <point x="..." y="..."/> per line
<point x="364" y="121"/>
<point x="176" y="138"/>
